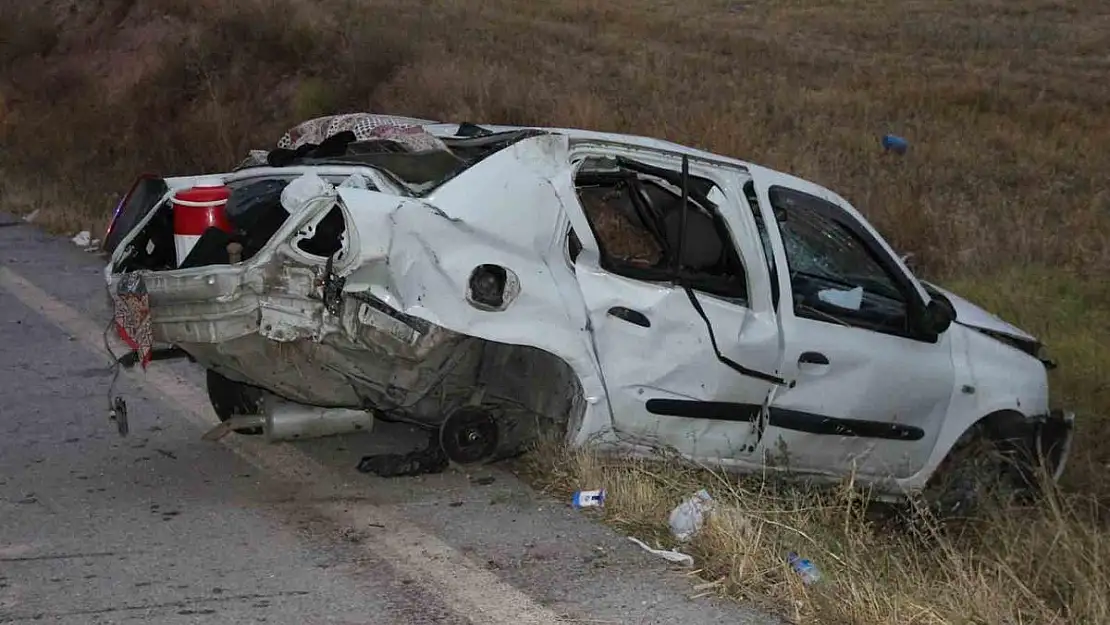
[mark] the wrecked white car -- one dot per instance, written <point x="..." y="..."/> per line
<point x="497" y="282"/>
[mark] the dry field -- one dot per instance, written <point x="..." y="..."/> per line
<point x="1003" y="196"/>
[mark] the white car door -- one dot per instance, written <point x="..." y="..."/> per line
<point x="666" y="381"/>
<point x="869" y="389"/>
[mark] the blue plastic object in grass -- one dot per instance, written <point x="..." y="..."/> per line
<point x="896" y="144"/>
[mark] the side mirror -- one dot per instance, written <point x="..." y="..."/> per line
<point x="939" y="315"/>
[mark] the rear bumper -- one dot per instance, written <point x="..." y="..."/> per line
<point x="276" y="325"/>
<point x="216" y="304"/>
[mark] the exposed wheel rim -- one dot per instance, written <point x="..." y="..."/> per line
<point x="469" y="435"/>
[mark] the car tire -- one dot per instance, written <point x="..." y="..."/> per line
<point x="979" y="469"/>
<point x="230" y="398"/>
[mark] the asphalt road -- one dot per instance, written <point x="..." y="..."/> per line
<point x="163" y="527"/>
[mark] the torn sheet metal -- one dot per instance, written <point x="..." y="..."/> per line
<point x="418" y="256"/>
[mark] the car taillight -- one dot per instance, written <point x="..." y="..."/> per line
<point x="123" y="202"/>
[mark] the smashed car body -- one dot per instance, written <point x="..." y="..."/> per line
<point x="498" y="282"/>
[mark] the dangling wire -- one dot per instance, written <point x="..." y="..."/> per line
<point x="117" y="408"/>
<point x="116" y="363"/>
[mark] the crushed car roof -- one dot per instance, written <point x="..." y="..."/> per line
<point x="578" y="134"/>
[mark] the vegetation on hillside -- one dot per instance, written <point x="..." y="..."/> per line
<point x="1003" y="196"/>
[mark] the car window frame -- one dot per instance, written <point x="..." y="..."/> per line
<point x="914" y="305"/>
<point x="663" y="277"/>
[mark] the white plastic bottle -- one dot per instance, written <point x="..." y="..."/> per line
<point x="687" y="518"/>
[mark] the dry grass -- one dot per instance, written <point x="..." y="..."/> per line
<point x="1003" y="193"/>
<point x="1041" y="564"/>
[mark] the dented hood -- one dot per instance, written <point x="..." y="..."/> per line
<point x="974" y="316"/>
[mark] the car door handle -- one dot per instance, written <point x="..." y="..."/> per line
<point x="631" y="316"/>
<point x="813" y="358"/>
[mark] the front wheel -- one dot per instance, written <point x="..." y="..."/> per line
<point x="230" y="399"/>
<point x="979" y="470"/>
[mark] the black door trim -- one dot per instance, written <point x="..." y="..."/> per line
<point x="715" y="410"/>
<point x="786" y="419"/>
<point x="834" y="426"/>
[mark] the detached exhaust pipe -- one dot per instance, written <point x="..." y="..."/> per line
<point x="284" y="420"/>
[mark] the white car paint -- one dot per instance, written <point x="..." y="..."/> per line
<point x="973" y="315"/>
<point x="514" y="209"/>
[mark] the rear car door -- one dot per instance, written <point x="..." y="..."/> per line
<point x="869" y="391"/>
<point x="665" y="381"/>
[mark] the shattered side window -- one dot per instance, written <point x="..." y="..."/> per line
<point x="635" y="212"/>
<point x="833" y="273"/>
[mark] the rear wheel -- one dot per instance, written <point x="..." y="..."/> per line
<point x="469" y="435"/>
<point x="230" y="398"/>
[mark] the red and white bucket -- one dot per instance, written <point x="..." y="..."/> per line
<point x="195" y="210"/>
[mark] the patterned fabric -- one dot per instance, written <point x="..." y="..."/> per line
<point x="404" y="130"/>
<point x="415" y="138"/>
<point x="132" y="314"/>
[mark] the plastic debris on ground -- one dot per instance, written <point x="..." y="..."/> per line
<point x="85" y="241"/>
<point x="687" y="518"/>
<point x="805" y="569"/>
<point x="31" y="216"/>
<point x="896" y="144"/>
<point x="667" y="554"/>
<point x="589" y="499"/>
<point x="427" y="460"/>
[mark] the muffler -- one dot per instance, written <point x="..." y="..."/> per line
<point x="284" y="420"/>
<point x="289" y="421"/>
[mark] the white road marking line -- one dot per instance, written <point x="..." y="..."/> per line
<point x="464" y="587"/>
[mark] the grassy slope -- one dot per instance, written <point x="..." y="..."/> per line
<point x="1003" y="194"/>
